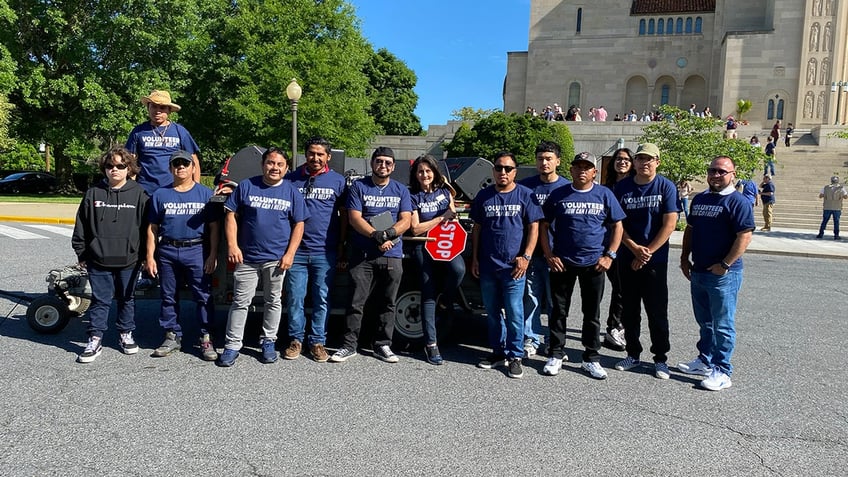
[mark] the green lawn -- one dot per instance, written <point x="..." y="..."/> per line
<point x="42" y="199"/>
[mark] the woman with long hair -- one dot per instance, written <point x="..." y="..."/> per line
<point x="432" y="204"/>
<point x="619" y="167"/>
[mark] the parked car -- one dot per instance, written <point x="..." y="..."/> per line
<point x="28" y="183"/>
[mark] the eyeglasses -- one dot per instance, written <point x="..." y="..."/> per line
<point x="384" y="162"/>
<point x="506" y="169"/>
<point x="623" y="159"/>
<point x="718" y="172"/>
<point x="115" y="166"/>
<point x="180" y="162"/>
<point x="644" y="158"/>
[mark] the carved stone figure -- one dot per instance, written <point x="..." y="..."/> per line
<point x="811" y="71"/>
<point x="817" y="8"/>
<point x="814" y="37"/>
<point x="820" y="106"/>
<point x="828" y="34"/>
<point x="808" y="105"/>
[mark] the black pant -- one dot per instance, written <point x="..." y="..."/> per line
<point x="591" y="293"/>
<point x="615" y="307"/>
<point x="381" y="275"/>
<point x="648" y="285"/>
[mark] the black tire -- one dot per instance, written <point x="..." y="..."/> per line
<point x="409" y="324"/>
<point x="48" y="314"/>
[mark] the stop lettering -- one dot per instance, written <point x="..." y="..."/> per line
<point x="447" y="241"/>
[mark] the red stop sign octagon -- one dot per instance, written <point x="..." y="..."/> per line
<point x="447" y="241"/>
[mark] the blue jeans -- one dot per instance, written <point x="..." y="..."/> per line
<point x="537" y="298"/>
<point x="319" y="271"/>
<point x="501" y="291"/>
<point x="108" y="283"/>
<point x="176" y="266"/>
<point x="769" y="166"/>
<point x="826" y="215"/>
<point x="449" y="276"/>
<point x="714" y="304"/>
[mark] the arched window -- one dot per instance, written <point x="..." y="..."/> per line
<point x="669" y="26"/>
<point x="651" y="26"/>
<point x="780" y="109"/>
<point x="660" y="27"/>
<point x="770" y="114"/>
<point x="664" y="94"/>
<point x="699" y="22"/>
<point x="574" y="93"/>
<point x="641" y="27"/>
<point x="579" y="19"/>
<point x="679" y="26"/>
<point x="688" y="24"/>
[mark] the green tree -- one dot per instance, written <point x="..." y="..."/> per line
<point x="81" y="67"/>
<point x="516" y="133"/>
<point x="6" y="142"/>
<point x="391" y="87"/>
<point x="688" y="143"/>
<point x="467" y="113"/>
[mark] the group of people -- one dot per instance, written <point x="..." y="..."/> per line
<point x="531" y="243"/>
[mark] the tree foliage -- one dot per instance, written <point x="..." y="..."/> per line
<point x="688" y="144"/>
<point x="516" y="133"/>
<point x="467" y="113"/>
<point x="75" y="70"/>
<point x="391" y="88"/>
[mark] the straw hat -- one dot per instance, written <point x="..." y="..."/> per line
<point x="160" y="97"/>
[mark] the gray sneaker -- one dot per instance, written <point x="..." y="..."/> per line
<point x="172" y="343"/>
<point x="207" y="349"/>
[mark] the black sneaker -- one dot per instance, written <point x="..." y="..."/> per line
<point x="92" y="350"/>
<point x="433" y="355"/>
<point x="514" y="369"/>
<point x="128" y="344"/>
<point x="171" y="343"/>
<point x="384" y="353"/>
<point x="492" y="361"/>
<point x="342" y="355"/>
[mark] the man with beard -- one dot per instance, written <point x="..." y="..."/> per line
<point x="719" y="230"/>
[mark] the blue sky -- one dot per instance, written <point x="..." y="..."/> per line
<point x="456" y="48"/>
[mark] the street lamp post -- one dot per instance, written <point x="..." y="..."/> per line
<point x="293" y="91"/>
<point x="45" y="148"/>
<point x="838" y="87"/>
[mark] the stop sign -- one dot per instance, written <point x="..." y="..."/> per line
<point x="447" y="241"/>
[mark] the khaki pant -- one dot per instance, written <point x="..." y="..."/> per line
<point x="768" y="215"/>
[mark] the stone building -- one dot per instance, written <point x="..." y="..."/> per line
<point x="782" y="55"/>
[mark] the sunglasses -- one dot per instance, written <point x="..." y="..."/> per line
<point x="506" y="169"/>
<point x="309" y="184"/>
<point x="115" y="166"/>
<point x="718" y="172"/>
<point x="384" y="162"/>
<point x="180" y="162"/>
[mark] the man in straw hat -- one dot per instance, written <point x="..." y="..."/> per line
<point x="156" y="140"/>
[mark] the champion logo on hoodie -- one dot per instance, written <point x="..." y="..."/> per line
<point x="100" y="203"/>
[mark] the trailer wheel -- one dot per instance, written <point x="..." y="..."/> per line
<point x="408" y="320"/>
<point x="48" y="314"/>
<point x="78" y="305"/>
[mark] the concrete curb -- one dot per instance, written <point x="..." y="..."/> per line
<point x="37" y="220"/>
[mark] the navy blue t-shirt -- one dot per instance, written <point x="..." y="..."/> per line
<point x="372" y="200"/>
<point x="431" y="204"/>
<point x="503" y="219"/>
<point x="542" y="190"/>
<point x="768" y="199"/>
<point x="153" y="147"/>
<point x="180" y="215"/>
<point x="645" y="206"/>
<point x="580" y="221"/>
<point x="716" y="218"/>
<point x="266" y="215"/>
<point x="323" y="194"/>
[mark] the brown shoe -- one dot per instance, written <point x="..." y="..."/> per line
<point x="319" y="353"/>
<point x="293" y="351"/>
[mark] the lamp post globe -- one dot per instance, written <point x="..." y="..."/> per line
<point x="293" y="92"/>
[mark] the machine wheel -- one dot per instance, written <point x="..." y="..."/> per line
<point x="48" y="314"/>
<point x="408" y="319"/>
<point x="78" y="305"/>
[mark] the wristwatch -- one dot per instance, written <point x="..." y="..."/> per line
<point x="611" y="254"/>
<point x="526" y="257"/>
<point x="725" y="266"/>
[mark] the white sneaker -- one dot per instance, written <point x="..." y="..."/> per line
<point x="696" y="367"/>
<point x="716" y="381"/>
<point x="529" y="349"/>
<point x="552" y="367"/>
<point x="615" y="339"/>
<point x="594" y="369"/>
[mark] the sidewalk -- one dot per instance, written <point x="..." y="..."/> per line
<point x="780" y="241"/>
